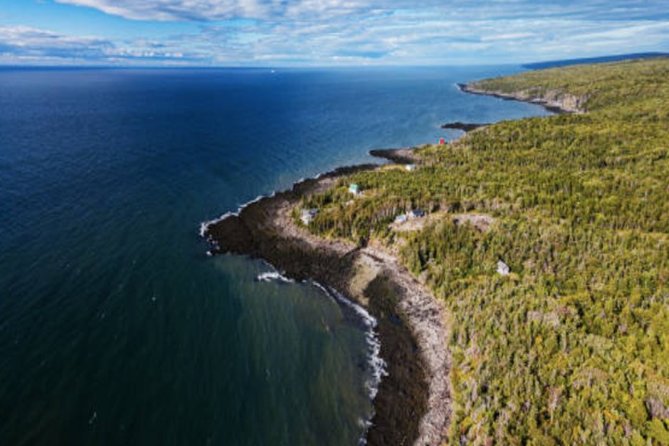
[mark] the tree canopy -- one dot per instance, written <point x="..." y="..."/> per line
<point x="572" y="347"/>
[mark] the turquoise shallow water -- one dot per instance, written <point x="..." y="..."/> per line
<point x="115" y="327"/>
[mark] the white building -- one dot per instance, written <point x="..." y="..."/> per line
<point x="503" y="268"/>
<point x="308" y="215"/>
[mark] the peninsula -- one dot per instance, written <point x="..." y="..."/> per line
<point x="519" y="275"/>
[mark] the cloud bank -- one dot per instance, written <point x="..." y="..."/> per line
<point x="216" y="10"/>
<point x="22" y="44"/>
<point x="352" y="32"/>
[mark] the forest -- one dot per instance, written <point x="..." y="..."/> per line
<point x="572" y="346"/>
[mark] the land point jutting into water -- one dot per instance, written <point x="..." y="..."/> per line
<point x="519" y="274"/>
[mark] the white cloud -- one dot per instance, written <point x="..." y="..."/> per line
<point x="164" y="10"/>
<point x="215" y="10"/>
<point x="28" y="41"/>
<point x="325" y="32"/>
<point x="23" y="43"/>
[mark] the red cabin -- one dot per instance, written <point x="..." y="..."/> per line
<point x="442" y="141"/>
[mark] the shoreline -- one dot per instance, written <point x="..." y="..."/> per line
<point x="554" y="103"/>
<point x="464" y="126"/>
<point x="413" y="401"/>
<point x="412" y="404"/>
<point x="405" y="155"/>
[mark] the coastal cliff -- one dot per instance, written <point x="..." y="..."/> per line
<point x="553" y="100"/>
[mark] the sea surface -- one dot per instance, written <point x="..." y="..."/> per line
<point x="115" y="327"/>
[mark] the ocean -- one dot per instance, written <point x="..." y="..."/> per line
<point x="116" y="328"/>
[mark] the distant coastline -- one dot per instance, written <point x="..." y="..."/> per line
<point x="593" y="60"/>
<point x="554" y="102"/>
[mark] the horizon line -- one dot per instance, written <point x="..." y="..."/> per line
<point x="580" y="60"/>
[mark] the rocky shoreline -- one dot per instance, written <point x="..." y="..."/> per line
<point x="464" y="126"/>
<point x="397" y="156"/>
<point x="553" y="101"/>
<point x="412" y="405"/>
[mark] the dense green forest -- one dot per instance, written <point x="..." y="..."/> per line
<point x="572" y="347"/>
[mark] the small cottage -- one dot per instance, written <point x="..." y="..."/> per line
<point x="308" y="215"/>
<point x="354" y="189"/>
<point x="442" y="141"/>
<point x="502" y="268"/>
<point x="410" y="167"/>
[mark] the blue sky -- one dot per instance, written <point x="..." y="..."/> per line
<point x="324" y="32"/>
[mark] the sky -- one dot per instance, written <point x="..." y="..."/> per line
<point x="325" y="32"/>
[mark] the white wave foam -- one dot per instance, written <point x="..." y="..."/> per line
<point x="205" y="224"/>
<point x="273" y="275"/>
<point x="376" y="363"/>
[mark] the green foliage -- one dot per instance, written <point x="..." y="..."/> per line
<point x="606" y="85"/>
<point x="573" y="346"/>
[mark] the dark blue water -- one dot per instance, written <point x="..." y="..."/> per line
<point x="115" y="328"/>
